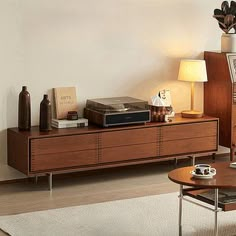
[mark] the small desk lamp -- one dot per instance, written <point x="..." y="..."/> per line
<point x="192" y="71"/>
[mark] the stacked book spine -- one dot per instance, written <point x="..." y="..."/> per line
<point x="60" y="124"/>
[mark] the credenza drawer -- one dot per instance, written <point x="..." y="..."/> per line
<point x="64" y="152"/>
<point x="128" y="137"/>
<point x="186" y="131"/>
<point x="54" y="161"/>
<point x="127" y="153"/>
<point x="64" y="144"/>
<point x="177" y="147"/>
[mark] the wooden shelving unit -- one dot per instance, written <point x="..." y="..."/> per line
<point x="220" y="97"/>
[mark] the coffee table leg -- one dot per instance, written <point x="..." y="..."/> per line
<point x="180" y="208"/>
<point x="216" y="211"/>
<point x="232" y="152"/>
<point x="50" y="181"/>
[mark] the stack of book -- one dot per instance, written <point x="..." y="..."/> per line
<point x="81" y="122"/>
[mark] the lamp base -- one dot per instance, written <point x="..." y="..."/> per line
<point x="191" y="114"/>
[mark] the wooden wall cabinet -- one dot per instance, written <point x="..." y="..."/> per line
<point x="220" y="96"/>
<point x="63" y="150"/>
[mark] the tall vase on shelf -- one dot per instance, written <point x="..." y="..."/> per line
<point x="226" y="17"/>
<point x="24" y="110"/>
<point x="45" y="119"/>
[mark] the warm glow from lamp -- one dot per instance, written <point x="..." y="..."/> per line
<point x="192" y="71"/>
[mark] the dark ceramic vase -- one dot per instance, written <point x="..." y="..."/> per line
<point x="45" y="119"/>
<point x="24" y="110"/>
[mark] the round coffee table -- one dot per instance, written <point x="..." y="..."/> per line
<point x="225" y="178"/>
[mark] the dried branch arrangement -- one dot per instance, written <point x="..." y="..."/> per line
<point x="226" y="16"/>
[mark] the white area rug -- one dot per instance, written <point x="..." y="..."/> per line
<point x="151" y="215"/>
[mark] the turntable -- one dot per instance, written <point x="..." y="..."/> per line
<point x="116" y="111"/>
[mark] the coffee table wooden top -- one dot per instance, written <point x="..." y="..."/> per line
<point x="225" y="177"/>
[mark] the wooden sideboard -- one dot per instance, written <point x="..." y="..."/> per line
<point x="220" y="96"/>
<point x="93" y="147"/>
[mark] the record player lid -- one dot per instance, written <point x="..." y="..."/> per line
<point x="115" y="100"/>
<point x="116" y="104"/>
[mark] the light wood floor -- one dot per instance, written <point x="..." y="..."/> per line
<point x="91" y="187"/>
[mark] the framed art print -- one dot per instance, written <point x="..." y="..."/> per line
<point x="231" y="58"/>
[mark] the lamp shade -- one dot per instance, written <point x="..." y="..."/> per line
<point x="192" y="71"/>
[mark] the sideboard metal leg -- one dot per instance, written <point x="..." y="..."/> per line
<point x="50" y="181"/>
<point x="193" y="158"/>
<point x="176" y="162"/>
<point x="216" y="211"/>
<point x="232" y="151"/>
<point x="213" y="156"/>
<point x="180" y="208"/>
<point x="36" y="179"/>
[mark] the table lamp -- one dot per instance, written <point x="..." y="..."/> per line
<point x="192" y="71"/>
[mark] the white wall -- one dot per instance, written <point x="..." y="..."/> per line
<point x="104" y="48"/>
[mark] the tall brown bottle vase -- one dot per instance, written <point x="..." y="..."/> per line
<point x="45" y="119"/>
<point x="24" y="110"/>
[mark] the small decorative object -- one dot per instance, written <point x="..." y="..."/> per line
<point x="65" y="100"/>
<point x="192" y="71"/>
<point x="161" y="113"/>
<point x="226" y="17"/>
<point x="160" y="107"/>
<point x="157" y="113"/>
<point x="45" y="114"/>
<point x="24" y="110"/>
<point x="72" y="115"/>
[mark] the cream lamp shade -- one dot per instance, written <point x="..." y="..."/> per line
<point x="192" y="71"/>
